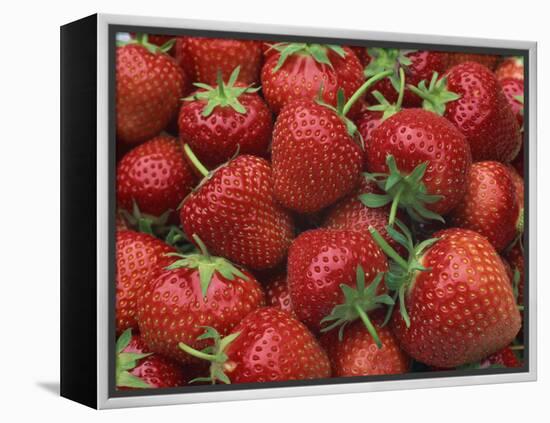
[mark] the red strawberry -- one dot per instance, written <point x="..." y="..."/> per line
<point x="490" y="206"/>
<point x="137" y="367"/>
<point x="277" y="294"/>
<point x="456" y="302"/>
<point x="149" y="85"/>
<point x="417" y="64"/>
<point x="357" y="353"/>
<point x="488" y="60"/>
<point x="328" y="270"/>
<point x="217" y="122"/>
<point x="513" y="91"/>
<point x="471" y="98"/>
<point x="421" y="161"/>
<point x="154" y="175"/>
<point x="351" y="214"/>
<point x="195" y="291"/>
<point x="511" y="67"/>
<point x="161" y="40"/>
<point x="516" y="260"/>
<point x="269" y="345"/>
<point x="139" y="259"/>
<point x="234" y="212"/>
<point x="315" y="159"/>
<point x="300" y="71"/>
<point x="505" y="358"/>
<point x="203" y="58"/>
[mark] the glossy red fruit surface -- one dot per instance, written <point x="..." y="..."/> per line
<point x="174" y="308"/>
<point x="273" y="346"/>
<point x="358" y="355"/>
<point x="139" y="259"/>
<point x="155" y="370"/>
<point x="154" y="175"/>
<point x="463" y="308"/>
<point x="505" y="358"/>
<point x="235" y="213"/>
<point x="321" y="260"/>
<point x="511" y="67"/>
<point x="513" y="91"/>
<point x="416" y="136"/>
<point x="277" y="294"/>
<point x="301" y="77"/>
<point x="315" y="160"/>
<point x="217" y="137"/>
<point x="203" y="57"/>
<point x="488" y="60"/>
<point x="482" y="113"/>
<point x="490" y="206"/>
<point x="148" y="91"/>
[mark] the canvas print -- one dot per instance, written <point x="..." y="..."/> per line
<point x="295" y="211"/>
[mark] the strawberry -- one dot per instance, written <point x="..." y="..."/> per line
<point x="490" y="206"/>
<point x="488" y="60"/>
<point x="511" y="67"/>
<point x="217" y="122"/>
<point x="137" y="367"/>
<point x="315" y="155"/>
<point x="518" y="184"/>
<point x="155" y="176"/>
<point x="515" y="258"/>
<point x="160" y="40"/>
<point x="504" y="358"/>
<point x="203" y="58"/>
<point x="420" y="161"/>
<point x="300" y="71"/>
<point x="456" y="304"/>
<point x="351" y="214"/>
<point x="470" y="97"/>
<point x="277" y="294"/>
<point x="357" y="354"/>
<point x="417" y="64"/>
<point x="234" y="212"/>
<point x="334" y="278"/>
<point x="139" y="259"/>
<point x="269" y="345"/>
<point x="513" y="91"/>
<point x="195" y="290"/>
<point x="149" y="84"/>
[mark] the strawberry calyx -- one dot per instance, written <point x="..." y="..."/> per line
<point x="215" y="354"/>
<point x="384" y="105"/>
<point x="126" y="361"/>
<point x="224" y="94"/>
<point x="206" y="265"/>
<point x="436" y="95"/>
<point x="343" y="107"/>
<point x="402" y="273"/>
<point x="319" y="52"/>
<point x="357" y="303"/>
<point x="143" y="40"/>
<point x="407" y="191"/>
<point x="157" y="226"/>
<point x="388" y="59"/>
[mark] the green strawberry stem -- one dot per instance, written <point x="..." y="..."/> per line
<point x="363" y="89"/>
<point x="195" y="160"/>
<point x="407" y="191"/>
<point x="215" y="354"/>
<point x="319" y="52"/>
<point x="207" y="265"/>
<point x="384" y="105"/>
<point x="436" y="95"/>
<point x="223" y="95"/>
<point x="402" y="274"/>
<point x="126" y="362"/>
<point x="357" y="303"/>
<point x="143" y="40"/>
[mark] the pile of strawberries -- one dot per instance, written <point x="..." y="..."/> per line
<point x="291" y="211"/>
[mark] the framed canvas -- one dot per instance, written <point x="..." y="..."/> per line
<point x="255" y="211"/>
